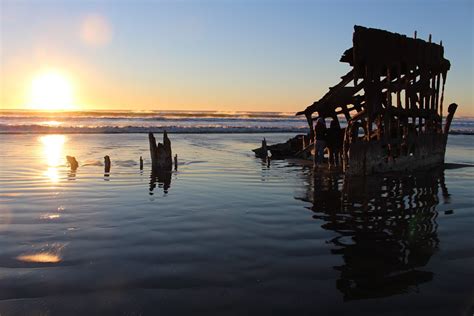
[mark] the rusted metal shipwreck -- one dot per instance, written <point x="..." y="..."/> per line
<point x="391" y="101"/>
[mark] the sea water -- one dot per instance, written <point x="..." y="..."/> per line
<point x="225" y="233"/>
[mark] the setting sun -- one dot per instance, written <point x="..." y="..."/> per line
<point x="51" y="91"/>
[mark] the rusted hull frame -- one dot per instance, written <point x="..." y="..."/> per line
<point x="428" y="150"/>
<point x="416" y="152"/>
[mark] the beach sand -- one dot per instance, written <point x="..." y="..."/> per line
<point x="225" y="234"/>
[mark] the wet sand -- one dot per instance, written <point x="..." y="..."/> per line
<point x="225" y="234"/>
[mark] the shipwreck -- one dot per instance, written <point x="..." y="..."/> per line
<point x="390" y="105"/>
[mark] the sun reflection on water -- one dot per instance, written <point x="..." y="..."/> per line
<point x="52" y="174"/>
<point x="53" y="154"/>
<point x="43" y="257"/>
<point x="50" y="216"/>
<point x="49" y="253"/>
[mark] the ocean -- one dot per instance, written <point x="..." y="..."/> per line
<point x="225" y="233"/>
<point x="15" y="121"/>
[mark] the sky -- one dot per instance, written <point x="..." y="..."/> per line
<point x="212" y="55"/>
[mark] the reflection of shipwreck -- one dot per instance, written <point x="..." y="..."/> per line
<point x="386" y="230"/>
<point x="392" y="101"/>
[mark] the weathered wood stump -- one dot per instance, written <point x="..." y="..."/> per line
<point x="451" y="110"/>
<point x="106" y="164"/>
<point x="264" y="148"/>
<point x="72" y="162"/>
<point x="161" y="158"/>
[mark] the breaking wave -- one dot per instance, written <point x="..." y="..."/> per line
<point x="108" y="122"/>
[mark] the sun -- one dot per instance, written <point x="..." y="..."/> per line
<point x="51" y="90"/>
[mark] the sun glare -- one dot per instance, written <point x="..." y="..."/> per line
<point x="51" y="91"/>
<point x="53" y="154"/>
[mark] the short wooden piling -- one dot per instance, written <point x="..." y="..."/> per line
<point x="264" y="148"/>
<point x="107" y="164"/>
<point x="72" y="162"/>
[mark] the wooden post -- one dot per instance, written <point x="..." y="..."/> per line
<point x="451" y="110"/>
<point x="438" y="123"/>
<point x="421" y="100"/>
<point x="399" y="100"/>
<point x="407" y="85"/>
<point x="72" y="162"/>
<point x="264" y="148"/>
<point x="436" y="93"/>
<point x="399" y="86"/>
<point x="433" y="93"/>
<point x="369" y="98"/>
<point x="388" y="109"/>
<point x="161" y="158"/>
<point x="141" y="163"/>
<point x="433" y="120"/>
<point x="176" y="162"/>
<point x="153" y="149"/>
<point x="442" y="98"/>
<point x="106" y="164"/>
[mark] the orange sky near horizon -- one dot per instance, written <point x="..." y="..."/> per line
<point x="98" y="90"/>
<point x="95" y="90"/>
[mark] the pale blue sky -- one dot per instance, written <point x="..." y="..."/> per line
<point x="229" y="55"/>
